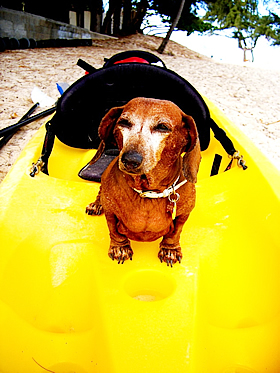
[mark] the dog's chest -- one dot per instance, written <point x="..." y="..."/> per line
<point x="143" y="214"/>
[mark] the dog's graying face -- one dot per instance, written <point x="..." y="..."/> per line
<point x="150" y="132"/>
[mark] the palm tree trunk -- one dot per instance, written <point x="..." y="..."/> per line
<point x="172" y="27"/>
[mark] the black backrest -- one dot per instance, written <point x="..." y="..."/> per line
<point x="81" y="108"/>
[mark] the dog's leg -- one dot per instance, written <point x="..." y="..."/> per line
<point x="95" y="208"/>
<point x="170" y="249"/>
<point x="120" y="248"/>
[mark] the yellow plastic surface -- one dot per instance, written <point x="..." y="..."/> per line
<point x="65" y="307"/>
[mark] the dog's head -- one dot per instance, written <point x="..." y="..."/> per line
<point x="151" y="134"/>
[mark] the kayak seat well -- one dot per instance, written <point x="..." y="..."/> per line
<point x="83" y="105"/>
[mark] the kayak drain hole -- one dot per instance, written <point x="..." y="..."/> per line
<point x="149" y="285"/>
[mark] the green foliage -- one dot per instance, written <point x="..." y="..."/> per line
<point x="189" y="20"/>
<point x="270" y="27"/>
<point x="243" y="17"/>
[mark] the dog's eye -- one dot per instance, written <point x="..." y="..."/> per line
<point x="161" y="127"/>
<point x="124" y="123"/>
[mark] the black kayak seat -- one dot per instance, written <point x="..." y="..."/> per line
<point x="83" y="105"/>
<point x="124" y="76"/>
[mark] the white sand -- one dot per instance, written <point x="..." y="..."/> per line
<point x="248" y="96"/>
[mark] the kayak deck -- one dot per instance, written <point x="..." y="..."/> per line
<point x="66" y="307"/>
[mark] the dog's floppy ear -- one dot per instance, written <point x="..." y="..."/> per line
<point x="192" y="157"/>
<point x="105" y="132"/>
<point x="107" y="125"/>
<point x="190" y="125"/>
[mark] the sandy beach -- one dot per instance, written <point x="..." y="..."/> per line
<point x="248" y="96"/>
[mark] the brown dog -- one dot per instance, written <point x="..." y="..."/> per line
<point x="148" y="191"/>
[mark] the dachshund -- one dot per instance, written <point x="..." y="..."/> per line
<point x="148" y="191"/>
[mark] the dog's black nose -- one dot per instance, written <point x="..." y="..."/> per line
<point x="131" y="160"/>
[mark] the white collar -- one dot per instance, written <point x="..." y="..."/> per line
<point x="166" y="193"/>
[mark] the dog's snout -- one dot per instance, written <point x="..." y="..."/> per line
<point x="131" y="160"/>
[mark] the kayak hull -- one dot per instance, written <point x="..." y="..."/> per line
<point x="66" y="307"/>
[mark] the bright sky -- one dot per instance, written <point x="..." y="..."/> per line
<point x="225" y="49"/>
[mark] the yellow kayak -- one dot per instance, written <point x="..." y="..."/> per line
<point x="65" y="307"/>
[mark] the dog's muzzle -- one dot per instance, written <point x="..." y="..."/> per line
<point x="131" y="160"/>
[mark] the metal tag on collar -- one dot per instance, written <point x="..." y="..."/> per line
<point x="174" y="198"/>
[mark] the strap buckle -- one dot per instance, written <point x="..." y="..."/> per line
<point x="240" y="160"/>
<point x="36" y="167"/>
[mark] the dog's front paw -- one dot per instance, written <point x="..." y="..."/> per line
<point x="170" y="256"/>
<point x="94" y="209"/>
<point x="120" y="253"/>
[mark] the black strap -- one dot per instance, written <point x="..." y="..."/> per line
<point x="216" y="165"/>
<point x="86" y="66"/>
<point x="227" y="144"/>
<point x="48" y="145"/>
<point x="222" y="137"/>
<point x="42" y="163"/>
